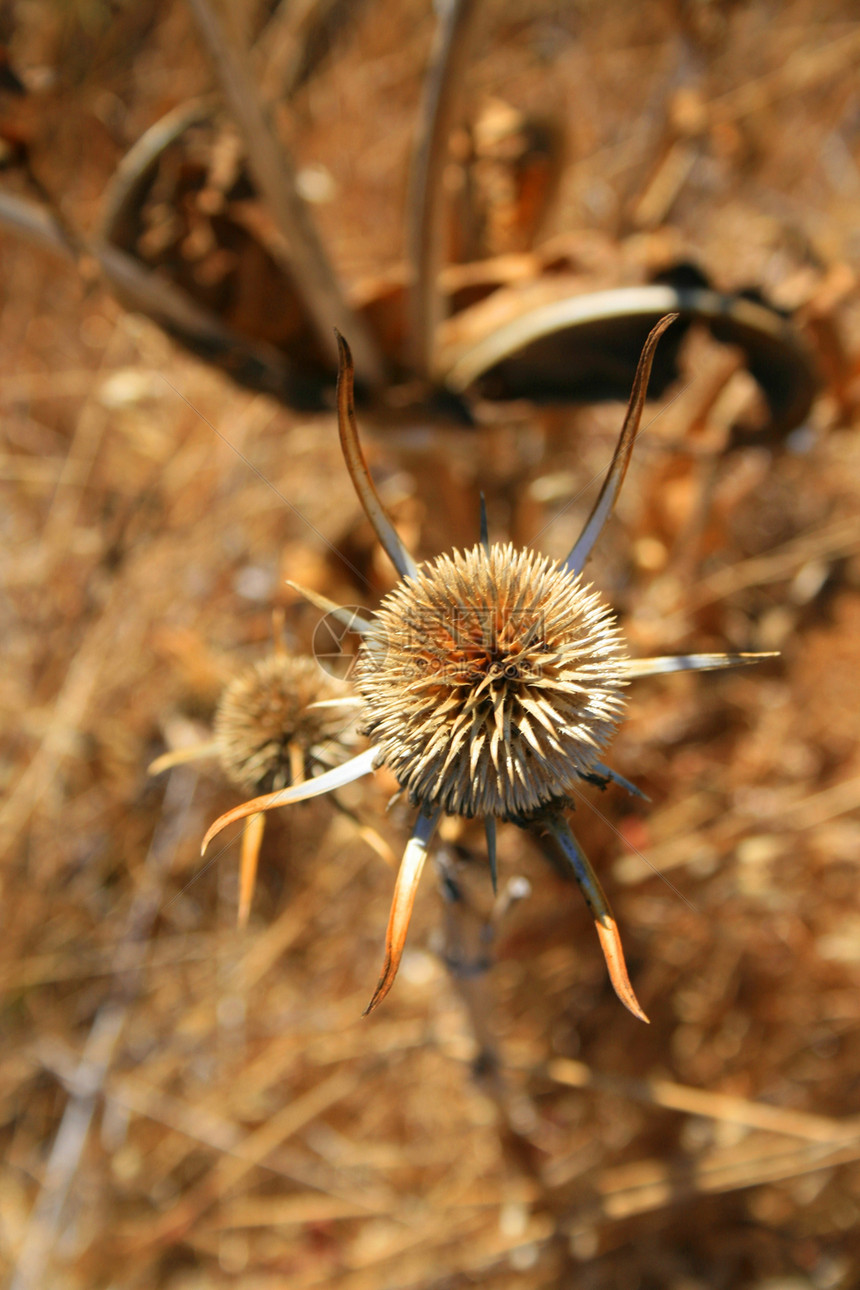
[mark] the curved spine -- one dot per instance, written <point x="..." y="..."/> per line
<point x="340" y="776"/>
<point x="605" y="503"/>
<point x="604" y="920"/>
<point x="406" y="886"/>
<point x="357" y="466"/>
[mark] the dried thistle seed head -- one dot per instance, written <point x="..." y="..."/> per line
<point x="267" y="736"/>
<point x="491" y="680"/>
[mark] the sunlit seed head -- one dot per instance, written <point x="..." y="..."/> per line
<point x="267" y="737"/>
<point x="491" y="681"/>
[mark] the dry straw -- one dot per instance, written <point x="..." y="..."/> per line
<point x="490" y="682"/>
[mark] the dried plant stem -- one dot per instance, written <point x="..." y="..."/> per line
<point x="139" y="288"/>
<point x="467" y="953"/>
<point x="427" y="191"/>
<point x="274" y="174"/>
<point x="71" y="240"/>
<point x="347" y="615"/>
<point x="648" y="1186"/>
<point x="713" y="1106"/>
<point x="467" y="950"/>
<point x="182" y="756"/>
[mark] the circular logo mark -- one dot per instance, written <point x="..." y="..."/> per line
<point x="336" y="640"/>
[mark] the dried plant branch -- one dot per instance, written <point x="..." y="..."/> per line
<point x="425" y="227"/>
<point x="181" y="756"/>
<point x="713" y="1106"/>
<point x="274" y="173"/>
<point x="651" y="1185"/>
<point x="138" y="288"/>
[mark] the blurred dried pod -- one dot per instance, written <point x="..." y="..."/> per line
<point x="278" y="723"/>
<point x="268" y="730"/>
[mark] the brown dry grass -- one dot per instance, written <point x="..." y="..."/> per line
<point x="183" y="1105"/>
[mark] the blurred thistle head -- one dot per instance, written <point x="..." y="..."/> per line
<point x="489" y="683"/>
<point x="269" y="727"/>
<point x="278" y="723"/>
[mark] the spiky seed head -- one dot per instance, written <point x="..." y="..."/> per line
<point x="491" y="681"/>
<point x="266" y="732"/>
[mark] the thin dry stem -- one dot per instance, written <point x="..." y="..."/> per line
<point x="41" y="1233"/>
<point x="182" y="756"/>
<point x="274" y="173"/>
<point x="427" y="197"/>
